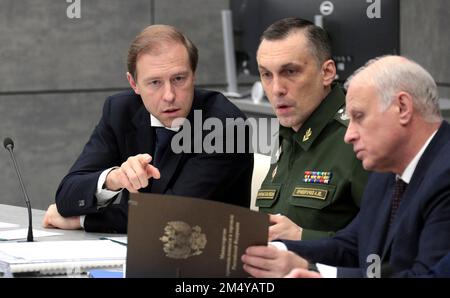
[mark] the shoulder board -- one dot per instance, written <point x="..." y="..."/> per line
<point x="342" y="117"/>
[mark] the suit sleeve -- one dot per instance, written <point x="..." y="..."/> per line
<point x="112" y="219"/>
<point x="340" y="250"/>
<point x="76" y="192"/>
<point x="316" y="234"/>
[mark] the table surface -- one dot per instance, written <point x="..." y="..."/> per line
<point x="19" y="215"/>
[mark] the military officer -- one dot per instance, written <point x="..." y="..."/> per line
<point x="316" y="184"/>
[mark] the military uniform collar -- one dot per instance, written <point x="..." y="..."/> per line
<point x="286" y="133"/>
<point x="320" y="118"/>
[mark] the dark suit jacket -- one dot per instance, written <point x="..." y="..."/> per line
<point x="441" y="269"/>
<point x="419" y="235"/>
<point x="123" y="131"/>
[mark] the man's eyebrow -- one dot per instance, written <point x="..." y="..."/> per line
<point x="290" y="65"/>
<point x="284" y="66"/>
<point x="152" y="78"/>
<point x="181" y="73"/>
<point x="148" y="79"/>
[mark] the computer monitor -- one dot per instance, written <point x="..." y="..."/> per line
<point x="359" y="30"/>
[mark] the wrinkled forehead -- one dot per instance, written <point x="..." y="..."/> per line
<point x="360" y="93"/>
<point x="284" y="50"/>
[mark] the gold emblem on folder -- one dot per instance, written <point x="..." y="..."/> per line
<point x="181" y="241"/>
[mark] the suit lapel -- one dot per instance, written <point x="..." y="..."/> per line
<point x="141" y="138"/>
<point x="378" y="234"/>
<point x="168" y="165"/>
<point x="406" y="200"/>
<point x="424" y="163"/>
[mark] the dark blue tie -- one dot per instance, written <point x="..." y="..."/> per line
<point x="163" y="138"/>
<point x="399" y="189"/>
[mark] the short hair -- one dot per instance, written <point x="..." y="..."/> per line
<point x="151" y="37"/>
<point x="318" y="39"/>
<point x="391" y="74"/>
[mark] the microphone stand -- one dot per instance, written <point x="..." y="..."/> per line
<point x="27" y="200"/>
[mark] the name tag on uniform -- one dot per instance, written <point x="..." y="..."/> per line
<point x="266" y="194"/>
<point x="313" y="193"/>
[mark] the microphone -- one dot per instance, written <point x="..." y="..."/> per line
<point x="9" y="145"/>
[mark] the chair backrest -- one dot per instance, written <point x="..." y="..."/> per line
<point x="260" y="169"/>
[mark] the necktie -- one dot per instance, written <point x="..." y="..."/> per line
<point x="399" y="189"/>
<point x="163" y="138"/>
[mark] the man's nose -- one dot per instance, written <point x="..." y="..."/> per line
<point x="278" y="87"/>
<point x="351" y="134"/>
<point x="169" y="92"/>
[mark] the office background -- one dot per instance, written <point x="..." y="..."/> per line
<point x="56" y="72"/>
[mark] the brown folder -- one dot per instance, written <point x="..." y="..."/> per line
<point x="171" y="236"/>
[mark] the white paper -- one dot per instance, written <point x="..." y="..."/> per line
<point x="51" y="251"/>
<point x="7" y="225"/>
<point x="18" y="234"/>
<point x="60" y="257"/>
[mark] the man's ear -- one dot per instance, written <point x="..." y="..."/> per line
<point x="405" y="106"/>
<point x="329" y="72"/>
<point x="132" y="83"/>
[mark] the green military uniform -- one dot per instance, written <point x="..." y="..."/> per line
<point x="317" y="181"/>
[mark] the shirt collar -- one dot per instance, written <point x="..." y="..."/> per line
<point x="409" y="170"/>
<point x="154" y="122"/>
<point x="318" y="120"/>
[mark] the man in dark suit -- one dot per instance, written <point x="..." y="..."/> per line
<point x="126" y="152"/>
<point x="403" y="226"/>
